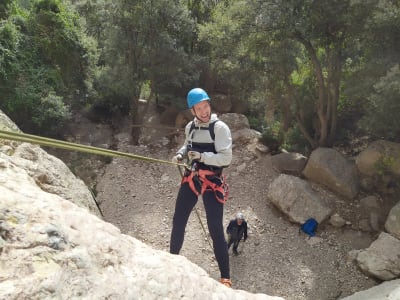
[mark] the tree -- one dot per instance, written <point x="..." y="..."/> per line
<point x="326" y="33"/>
<point x="373" y="84"/>
<point x="231" y="71"/>
<point x="44" y="61"/>
<point x="382" y="116"/>
<point x="145" y="43"/>
<point x="4" y="8"/>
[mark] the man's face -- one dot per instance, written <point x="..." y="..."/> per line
<point x="202" y="111"/>
<point x="239" y="221"/>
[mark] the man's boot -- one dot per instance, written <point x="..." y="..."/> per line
<point x="227" y="282"/>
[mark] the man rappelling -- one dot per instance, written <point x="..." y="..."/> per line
<point x="208" y="149"/>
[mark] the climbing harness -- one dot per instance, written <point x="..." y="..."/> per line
<point x="201" y="181"/>
<point x="34" y="139"/>
<point x="198" y="216"/>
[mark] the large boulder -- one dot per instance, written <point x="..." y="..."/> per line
<point x="294" y="197"/>
<point x="379" y="166"/>
<point x="328" y="167"/>
<point x="289" y="163"/>
<point x="235" y="121"/>
<point x="379" y="156"/>
<point x="381" y="259"/>
<point x="392" y="224"/>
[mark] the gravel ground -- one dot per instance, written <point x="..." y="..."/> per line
<point x="139" y="198"/>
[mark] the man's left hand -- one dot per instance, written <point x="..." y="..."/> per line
<point x="194" y="155"/>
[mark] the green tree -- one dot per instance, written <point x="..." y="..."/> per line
<point x="372" y="84"/>
<point x="300" y="50"/>
<point x="326" y="34"/>
<point x="383" y="107"/>
<point x="145" y="43"/>
<point x="44" y="64"/>
<point x="4" y="8"/>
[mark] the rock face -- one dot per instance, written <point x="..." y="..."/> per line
<point x="47" y="171"/>
<point x="51" y="248"/>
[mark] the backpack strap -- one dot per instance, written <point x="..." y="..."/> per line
<point x="210" y="128"/>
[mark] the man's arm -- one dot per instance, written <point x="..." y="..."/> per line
<point x="223" y="146"/>
<point x="229" y="228"/>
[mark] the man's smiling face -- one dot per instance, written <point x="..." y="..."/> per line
<point x="202" y="111"/>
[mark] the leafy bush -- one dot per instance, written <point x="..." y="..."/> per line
<point x="382" y="117"/>
<point x="51" y="115"/>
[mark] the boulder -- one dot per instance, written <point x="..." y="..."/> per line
<point x="328" y="167"/>
<point x="389" y="290"/>
<point x="381" y="259"/>
<point x="392" y="224"/>
<point x="289" y="163"/>
<point x="378" y="156"/>
<point x="235" y="121"/>
<point x="294" y="197"/>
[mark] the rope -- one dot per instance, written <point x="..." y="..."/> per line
<point x="198" y="216"/>
<point x="43" y="141"/>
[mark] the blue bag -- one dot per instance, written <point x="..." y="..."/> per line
<point x="309" y="227"/>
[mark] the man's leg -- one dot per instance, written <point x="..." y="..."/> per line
<point x="214" y="214"/>
<point x="235" y="247"/>
<point x="185" y="202"/>
<point x="230" y="241"/>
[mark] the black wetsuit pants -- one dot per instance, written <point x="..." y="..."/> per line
<point x="185" y="203"/>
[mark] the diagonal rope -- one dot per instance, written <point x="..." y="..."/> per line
<point x="43" y="141"/>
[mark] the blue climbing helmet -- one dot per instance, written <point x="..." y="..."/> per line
<point x="195" y="96"/>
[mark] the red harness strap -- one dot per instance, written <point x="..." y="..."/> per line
<point x="221" y="191"/>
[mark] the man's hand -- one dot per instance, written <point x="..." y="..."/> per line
<point x="194" y="155"/>
<point x="177" y="158"/>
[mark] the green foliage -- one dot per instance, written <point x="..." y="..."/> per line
<point x="44" y="64"/>
<point x="384" y="165"/>
<point x="382" y="116"/>
<point x="4" y="8"/>
<point x="294" y="141"/>
<point x="50" y="115"/>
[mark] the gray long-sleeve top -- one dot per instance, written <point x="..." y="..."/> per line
<point x="222" y="142"/>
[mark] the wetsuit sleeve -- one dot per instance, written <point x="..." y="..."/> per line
<point x="223" y="147"/>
